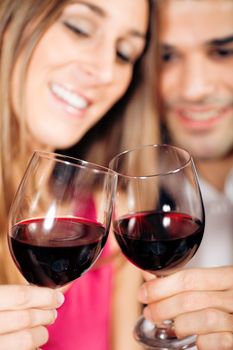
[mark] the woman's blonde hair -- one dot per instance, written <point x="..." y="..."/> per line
<point x="130" y="122"/>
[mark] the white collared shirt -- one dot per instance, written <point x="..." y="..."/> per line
<point x="216" y="248"/>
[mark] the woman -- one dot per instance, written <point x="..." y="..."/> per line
<point x="65" y="65"/>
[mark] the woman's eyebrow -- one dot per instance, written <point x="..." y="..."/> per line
<point x="220" y="41"/>
<point x="96" y="9"/>
<point x="99" y="11"/>
<point x="138" y="34"/>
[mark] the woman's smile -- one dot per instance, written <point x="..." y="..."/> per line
<point x="72" y="101"/>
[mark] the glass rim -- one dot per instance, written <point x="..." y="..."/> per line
<point x="157" y="145"/>
<point x="73" y="161"/>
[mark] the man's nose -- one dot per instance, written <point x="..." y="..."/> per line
<point x="197" y="80"/>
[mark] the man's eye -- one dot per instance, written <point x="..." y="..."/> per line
<point x="222" y="53"/>
<point x="79" y="30"/>
<point x="167" y="57"/>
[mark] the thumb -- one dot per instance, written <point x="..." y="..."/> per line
<point x="148" y="276"/>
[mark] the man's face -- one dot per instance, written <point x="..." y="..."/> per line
<point x="197" y="74"/>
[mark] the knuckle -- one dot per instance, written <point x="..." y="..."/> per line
<point x="27" y="340"/>
<point x="25" y="318"/>
<point x="50" y="297"/>
<point x="21" y="295"/>
<point x="226" y="341"/>
<point x="33" y="337"/>
<point x="158" y="311"/>
<point x="186" y="279"/>
<point x="229" y="272"/>
<point x="201" y="343"/>
<point x="211" y="318"/>
<point x="230" y="317"/>
<point x="215" y="341"/>
<point x="229" y="300"/>
<point x="189" y="301"/>
<point x="192" y="301"/>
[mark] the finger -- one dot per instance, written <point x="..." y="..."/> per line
<point x="148" y="276"/>
<point x="203" y="322"/>
<point x="190" y="301"/>
<point x="16" y="297"/>
<point x="186" y="280"/>
<point x="215" y="341"/>
<point x="24" y="340"/>
<point x="187" y="302"/>
<point x="16" y="320"/>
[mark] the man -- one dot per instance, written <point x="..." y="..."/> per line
<point x="196" y="41"/>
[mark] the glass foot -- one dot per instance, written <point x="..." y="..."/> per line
<point x="162" y="337"/>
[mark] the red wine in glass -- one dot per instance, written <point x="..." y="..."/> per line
<point x="59" y="219"/>
<point x="53" y="261"/>
<point x="155" y="241"/>
<point x="158" y="221"/>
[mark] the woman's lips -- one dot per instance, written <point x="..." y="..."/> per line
<point x="72" y="100"/>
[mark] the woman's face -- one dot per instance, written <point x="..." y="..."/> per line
<point x="82" y="65"/>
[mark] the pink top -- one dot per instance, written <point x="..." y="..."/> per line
<point x="83" y="319"/>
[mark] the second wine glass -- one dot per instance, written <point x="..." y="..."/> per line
<point x="158" y="221"/>
<point x="60" y="218"/>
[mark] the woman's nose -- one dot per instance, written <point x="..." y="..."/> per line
<point x="100" y="67"/>
<point x="197" y="80"/>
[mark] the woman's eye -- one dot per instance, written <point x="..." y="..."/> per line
<point x="78" y="29"/>
<point x="123" y="57"/>
<point x="128" y="53"/>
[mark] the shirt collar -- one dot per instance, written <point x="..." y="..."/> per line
<point x="210" y="192"/>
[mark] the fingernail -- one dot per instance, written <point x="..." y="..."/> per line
<point x="60" y="298"/>
<point x="142" y="295"/>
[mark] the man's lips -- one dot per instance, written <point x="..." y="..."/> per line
<point x="202" y="114"/>
<point x="201" y="117"/>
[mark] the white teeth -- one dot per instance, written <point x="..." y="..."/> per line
<point x="69" y="97"/>
<point x="201" y="115"/>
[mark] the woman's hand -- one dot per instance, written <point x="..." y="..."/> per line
<point x="24" y="313"/>
<point x="200" y="301"/>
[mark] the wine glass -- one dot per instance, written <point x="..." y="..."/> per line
<point x="60" y="218"/>
<point x="158" y="221"/>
